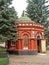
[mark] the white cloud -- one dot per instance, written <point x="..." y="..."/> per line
<point x="19" y="6"/>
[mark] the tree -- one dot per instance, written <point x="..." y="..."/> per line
<point x="47" y="30"/>
<point x="38" y="10"/>
<point x="8" y="16"/>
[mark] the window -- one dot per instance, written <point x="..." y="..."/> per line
<point x="25" y="41"/>
<point x="38" y="37"/>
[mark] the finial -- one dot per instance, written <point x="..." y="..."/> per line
<point x="24" y="13"/>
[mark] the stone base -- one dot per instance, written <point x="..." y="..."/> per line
<point x="23" y="52"/>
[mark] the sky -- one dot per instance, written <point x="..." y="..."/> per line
<point x="19" y="6"/>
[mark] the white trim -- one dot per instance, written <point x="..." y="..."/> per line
<point x="30" y="24"/>
<point x="27" y="24"/>
<point x="20" y="24"/>
<point x="38" y="35"/>
<point x="42" y="33"/>
<point x="25" y="48"/>
<point x="23" y="24"/>
<point x="33" y="32"/>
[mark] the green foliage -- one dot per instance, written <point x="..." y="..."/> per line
<point x="38" y="10"/>
<point x="47" y="29"/>
<point x="2" y="49"/>
<point x="47" y="48"/>
<point x="3" y="53"/>
<point x="47" y="33"/>
<point x="4" y="61"/>
<point x="8" y="16"/>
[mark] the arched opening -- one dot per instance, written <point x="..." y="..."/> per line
<point x="38" y="43"/>
<point x="25" y="38"/>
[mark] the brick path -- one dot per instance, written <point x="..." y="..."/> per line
<point x="39" y="59"/>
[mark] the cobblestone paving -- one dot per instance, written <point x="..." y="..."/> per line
<point x="39" y="59"/>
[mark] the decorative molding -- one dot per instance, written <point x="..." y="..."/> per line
<point x="25" y="48"/>
<point x="42" y="33"/>
<point x="23" y="24"/>
<point x="30" y="24"/>
<point x="27" y="24"/>
<point x="19" y="24"/>
<point x="38" y="34"/>
<point x="33" y="32"/>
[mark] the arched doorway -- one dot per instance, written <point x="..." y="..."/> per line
<point x="38" y="43"/>
<point x="25" y="38"/>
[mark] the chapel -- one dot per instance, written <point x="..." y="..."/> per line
<point x="30" y="35"/>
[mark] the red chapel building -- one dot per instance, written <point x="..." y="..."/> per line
<point x="30" y="35"/>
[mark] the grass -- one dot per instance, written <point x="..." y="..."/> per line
<point x="2" y="49"/>
<point x="3" y="52"/>
<point x="3" y="55"/>
<point x="4" y="61"/>
<point x="47" y="48"/>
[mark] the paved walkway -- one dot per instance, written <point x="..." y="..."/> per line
<point x="40" y="59"/>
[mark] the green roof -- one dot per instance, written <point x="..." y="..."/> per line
<point x="25" y="17"/>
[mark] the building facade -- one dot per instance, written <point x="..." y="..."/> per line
<point x="29" y="36"/>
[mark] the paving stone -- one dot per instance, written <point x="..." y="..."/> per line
<point x="40" y="59"/>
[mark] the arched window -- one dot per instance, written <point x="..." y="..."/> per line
<point x="25" y="40"/>
<point x="38" y="37"/>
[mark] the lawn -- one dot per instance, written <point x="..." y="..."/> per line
<point x="4" y="60"/>
<point x="47" y="48"/>
<point x="2" y="49"/>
